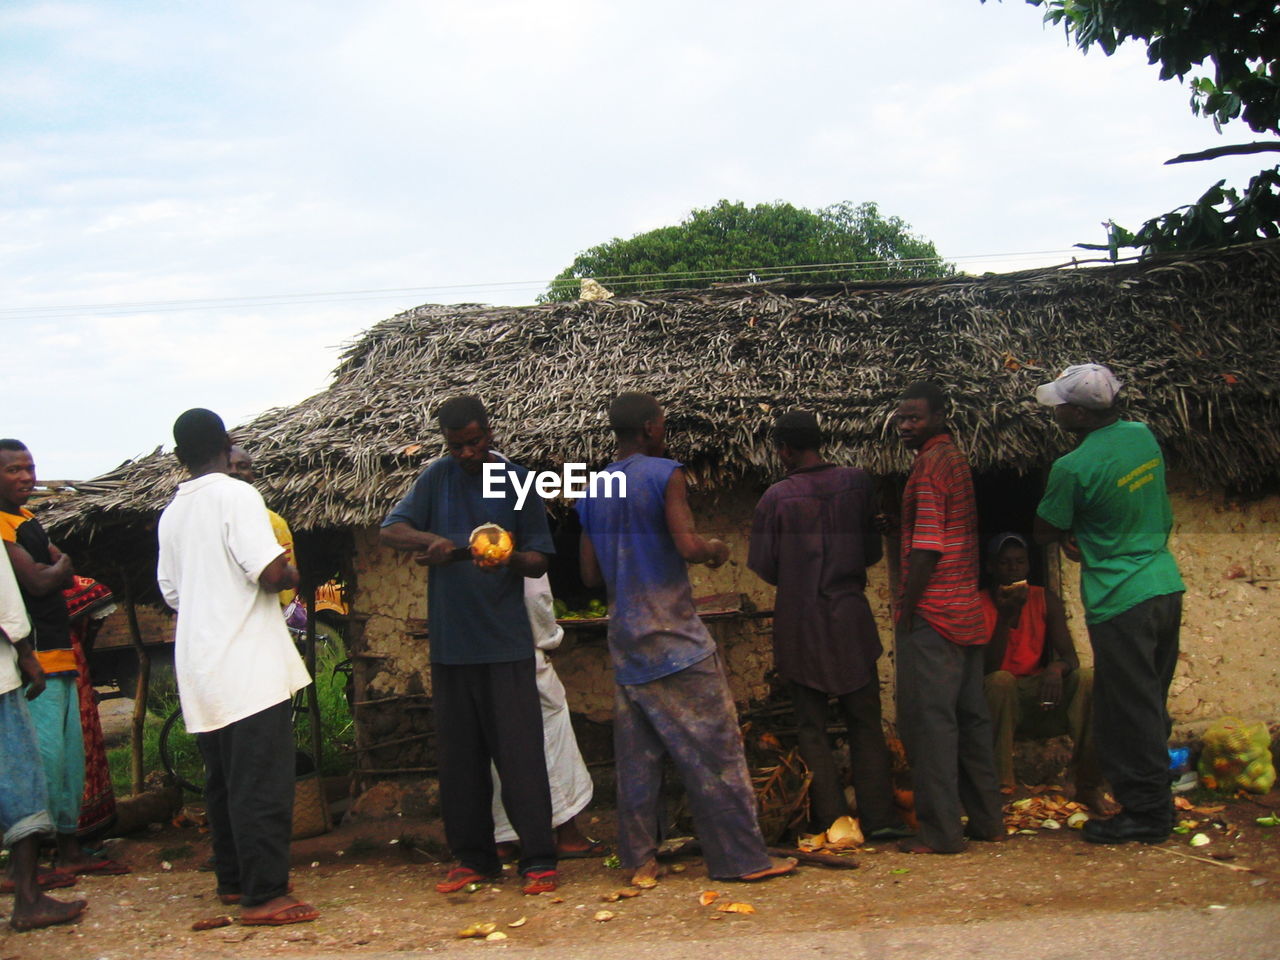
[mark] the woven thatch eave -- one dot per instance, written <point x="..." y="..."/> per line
<point x="1196" y="337"/>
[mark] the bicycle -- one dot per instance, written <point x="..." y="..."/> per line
<point x="179" y="754"/>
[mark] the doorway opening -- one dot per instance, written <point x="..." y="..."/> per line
<point x="1007" y="501"/>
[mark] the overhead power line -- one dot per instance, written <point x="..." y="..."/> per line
<point x="259" y="301"/>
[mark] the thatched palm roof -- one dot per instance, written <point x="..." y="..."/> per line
<point x="1195" y="337"/>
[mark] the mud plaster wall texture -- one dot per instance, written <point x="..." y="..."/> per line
<point x="392" y="593"/>
<point x="745" y="645"/>
<point x="1228" y="551"/>
<point x="1229" y="554"/>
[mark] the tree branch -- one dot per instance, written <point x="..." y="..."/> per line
<point x="1232" y="150"/>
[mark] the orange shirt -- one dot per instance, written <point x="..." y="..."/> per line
<point x="1025" y="650"/>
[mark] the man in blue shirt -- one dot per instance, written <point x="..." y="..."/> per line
<point x="483" y="679"/>
<point x="671" y="696"/>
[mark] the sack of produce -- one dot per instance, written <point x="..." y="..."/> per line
<point x="1237" y="756"/>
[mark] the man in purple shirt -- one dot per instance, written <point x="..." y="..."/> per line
<point x="812" y="538"/>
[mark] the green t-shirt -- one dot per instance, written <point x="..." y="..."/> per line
<point x="1110" y="493"/>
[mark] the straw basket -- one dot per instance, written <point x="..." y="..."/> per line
<point x="310" y="812"/>
<point x="782" y="794"/>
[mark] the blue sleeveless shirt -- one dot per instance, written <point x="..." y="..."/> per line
<point x="654" y="629"/>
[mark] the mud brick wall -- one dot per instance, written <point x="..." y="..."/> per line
<point x="391" y="598"/>
<point x="1228" y="550"/>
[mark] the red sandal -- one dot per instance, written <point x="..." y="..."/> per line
<point x="540" y="881"/>
<point x="45" y="880"/>
<point x="460" y="877"/>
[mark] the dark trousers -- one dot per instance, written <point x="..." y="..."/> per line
<point x="249" y="778"/>
<point x="490" y="712"/>
<point x="869" y="760"/>
<point x="689" y="716"/>
<point x="1134" y="656"/>
<point x="942" y="716"/>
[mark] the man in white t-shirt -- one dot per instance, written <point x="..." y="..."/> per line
<point x="24" y="817"/>
<point x="221" y="569"/>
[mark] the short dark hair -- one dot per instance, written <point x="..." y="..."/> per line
<point x="797" y="429"/>
<point x="457" y="412"/>
<point x="629" y="412"/>
<point x="16" y="446"/>
<point x="199" y="435"/>
<point x="929" y="392"/>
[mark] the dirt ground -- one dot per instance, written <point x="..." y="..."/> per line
<point x="374" y="884"/>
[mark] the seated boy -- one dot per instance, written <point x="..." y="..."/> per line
<point x="1034" y="683"/>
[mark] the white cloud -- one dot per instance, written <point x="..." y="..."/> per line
<point x="156" y="151"/>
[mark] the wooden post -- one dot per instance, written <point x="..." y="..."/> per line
<point x="308" y="594"/>
<point x="136" y="772"/>
<point x="888" y="502"/>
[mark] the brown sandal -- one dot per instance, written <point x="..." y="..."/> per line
<point x="778" y="867"/>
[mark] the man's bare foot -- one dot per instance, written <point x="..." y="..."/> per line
<point x="569" y="836"/>
<point x="73" y="858"/>
<point x="44" y="912"/>
<point x="277" y="912"/>
<point x="86" y="864"/>
<point x="778" y="867"/>
<point x="581" y="850"/>
<point x="573" y="844"/>
<point x="647" y="874"/>
<point x="1097" y="800"/>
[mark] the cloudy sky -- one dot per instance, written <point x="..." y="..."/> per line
<point x="201" y="203"/>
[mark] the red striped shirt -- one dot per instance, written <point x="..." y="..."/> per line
<point x="939" y="514"/>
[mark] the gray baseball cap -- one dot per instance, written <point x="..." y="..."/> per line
<point x="1089" y="385"/>
<point x="996" y="543"/>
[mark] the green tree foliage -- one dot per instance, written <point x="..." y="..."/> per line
<point x="731" y="242"/>
<point x="1231" y="49"/>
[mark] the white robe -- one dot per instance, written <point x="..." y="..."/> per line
<point x="571" y="786"/>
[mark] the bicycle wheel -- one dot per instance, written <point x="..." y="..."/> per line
<point x="179" y="754"/>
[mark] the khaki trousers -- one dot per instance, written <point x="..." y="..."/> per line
<point x="1014" y="704"/>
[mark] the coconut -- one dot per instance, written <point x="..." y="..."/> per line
<point x="490" y="545"/>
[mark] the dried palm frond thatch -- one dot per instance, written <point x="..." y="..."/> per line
<point x="1195" y="337"/>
